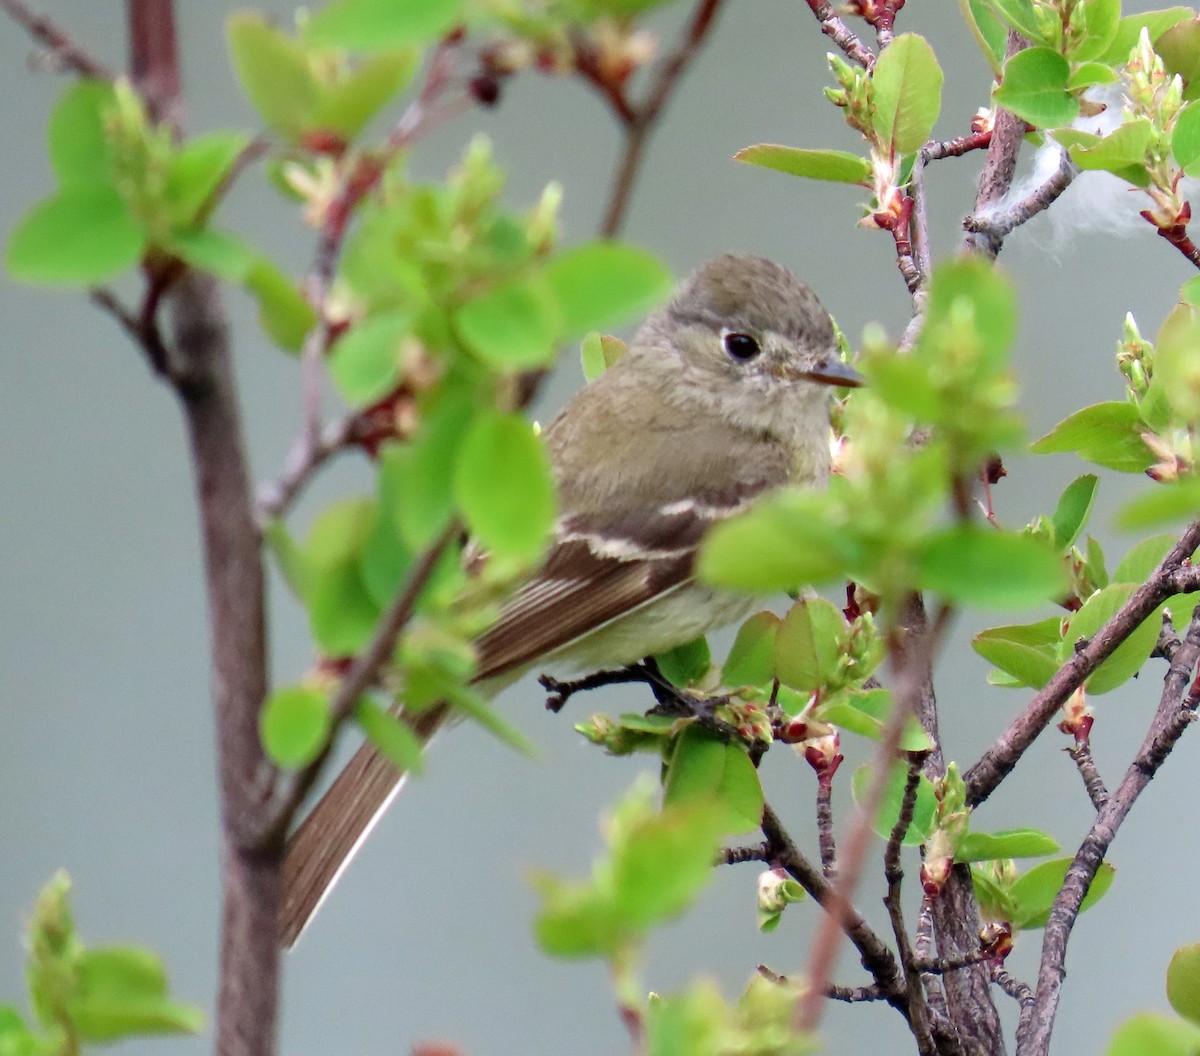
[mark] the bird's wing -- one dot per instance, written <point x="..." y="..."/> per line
<point x="601" y="567"/>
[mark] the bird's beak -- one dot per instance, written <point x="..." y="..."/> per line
<point x="829" y="372"/>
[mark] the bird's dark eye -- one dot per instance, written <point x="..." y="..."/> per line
<point x="741" y="346"/>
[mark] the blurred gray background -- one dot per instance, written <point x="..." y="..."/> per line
<point x="106" y="762"/>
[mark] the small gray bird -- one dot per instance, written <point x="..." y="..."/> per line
<point x="723" y="396"/>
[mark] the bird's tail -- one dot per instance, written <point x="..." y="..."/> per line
<point x="327" y="839"/>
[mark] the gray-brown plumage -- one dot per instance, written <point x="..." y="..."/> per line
<point x="723" y="395"/>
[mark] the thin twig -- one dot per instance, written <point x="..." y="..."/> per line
<point x="758" y="852"/>
<point x="1081" y="755"/>
<point x="48" y="34"/>
<point x="1171" y="577"/>
<point x="874" y="954"/>
<point x="639" y="120"/>
<point x="362" y="674"/>
<point x="942" y="965"/>
<point x="1177" y="235"/>
<point x="837" y="31"/>
<point x="1017" y="990"/>
<point x="910" y="667"/>
<point x="303" y="461"/>
<point x="917" y="1009"/>
<point x="854" y="994"/>
<point x="998" y="223"/>
<point x="147" y="337"/>
<point x="1174" y="714"/>
<point x="955" y="148"/>
<point x="825" y="835"/>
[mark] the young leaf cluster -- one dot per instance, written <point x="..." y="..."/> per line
<point x="87" y="995"/>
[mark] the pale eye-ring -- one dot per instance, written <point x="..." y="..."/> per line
<point x="740" y="346"/>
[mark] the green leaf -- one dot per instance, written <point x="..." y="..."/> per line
<point x="865" y="712"/>
<point x="503" y="484"/>
<point x="1108" y="434"/>
<point x="686" y="663"/>
<point x="282" y="310"/>
<point x="1185" y="140"/>
<point x="1010" y="843"/>
<point x="1179" y="47"/>
<point x="479" y="710"/>
<point x="365" y="361"/>
<point x="576" y="920"/>
<point x="347" y="105"/>
<point x="1026" y="652"/>
<point x="291" y="559"/>
<point x="275" y="73"/>
<point x="1127" y="659"/>
<point x="196" y="171"/>
<point x="893" y="797"/>
<point x="1035" y="88"/>
<point x="1130" y="28"/>
<point x="836" y="166"/>
<point x="751" y="659"/>
<point x="981" y="566"/>
<point x="420" y="473"/>
<point x="988" y="30"/>
<point x="341" y="609"/>
<point x="1153" y="1034"/>
<point x="373" y="25"/>
<point x="78" y="146"/>
<point x="600" y="284"/>
<point x="993" y="899"/>
<point x="705" y="769"/>
<point x="666" y="861"/>
<point x="217" y="252"/>
<point x="782" y="543"/>
<point x="908" y="93"/>
<point x="598" y="352"/>
<point x="1183" y="981"/>
<point x="122" y="991"/>
<point x="1091" y="75"/>
<point x="1074" y="508"/>
<point x="294" y="725"/>
<point x="511" y="327"/>
<point x="807" y="644"/>
<point x="1022" y="16"/>
<point x="1035" y="891"/>
<point x="83" y="235"/>
<point x="970" y="284"/>
<point x="392" y="737"/>
<point x="1122" y="152"/>
<point x="1099" y="20"/>
<point x="1143" y="558"/>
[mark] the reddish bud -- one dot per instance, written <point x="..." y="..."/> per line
<point x="996" y="940"/>
<point x="324" y="141"/>
<point x="485" y="89"/>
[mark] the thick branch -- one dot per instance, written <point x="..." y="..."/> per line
<point x="1000" y="166"/>
<point x="997" y="224"/>
<point x="1171" y="577"/>
<point x="247" y="1002"/>
<point x="1174" y="715"/>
